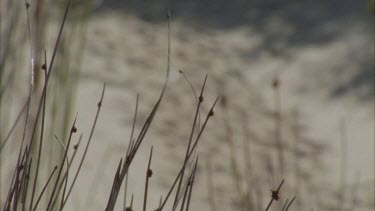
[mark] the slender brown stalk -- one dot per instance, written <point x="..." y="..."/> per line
<point x="73" y="129"/>
<point x="275" y="195"/>
<point x="41" y="133"/>
<point x="27" y="5"/>
<point x="120" y="175"/>
<point x="117" y="177"/>
<point x="26" y="186"/>
<point x="19" y="186"/>
<point x="188" y="188"/>
<point x="87" y="145"/>
<point x="123" y="171"/>
<point x="148" y="176"/>
<point x="290" y="203"/>
<point x="129" y="149"/>
<point x="7" y="137"/>
<point x="191" y="185"/>
<point x="13" y="185"/>
<point x="160" y="201"/>
<point x="44" y="188"/>
<point x="63" y="180"/>
<point x="285" y="204"/>
<point x="41" y="99"/>
<point x="194" y="93"/>
<point x="49" y="70"/>
<point x="210" y="114"/>
<point x="130" y="208"/>
<point x="126" y="182"/>
<point x="66" y="171"/>
<point x="200" y="101"/>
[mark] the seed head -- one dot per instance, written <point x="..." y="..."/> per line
<point x="275" y="195"/>
<point x="149" y="173"/>
<point x="74" y="129"/>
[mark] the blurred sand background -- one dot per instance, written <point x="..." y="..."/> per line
<point x="322" y="52"/>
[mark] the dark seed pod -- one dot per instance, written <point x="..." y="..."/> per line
<point x="275" y="195"/>
<point x="149" y="173"/>
<point x="200" y="99"/>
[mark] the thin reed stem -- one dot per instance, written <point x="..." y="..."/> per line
<point x="44" y="188"/>
<point x="210" y="114"/>
<point x="191" y="185"/>
<point x="73" y="129"/>
<point x="7" y="137"/>
<point x="290" y="203"/>
<point x="129" y="149"/>
<point x="148" y="176"/>
<point x="285" y="204"/>
<point x="275" y="195"/>
<point x="41" y="134"/>
<point x="200" y="101"/>
<point x="120" y="174"/>
<point x="87" y="146"/>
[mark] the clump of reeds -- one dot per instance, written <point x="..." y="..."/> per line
<point x="23" y="194"/>
<point x="23" y="191"/>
